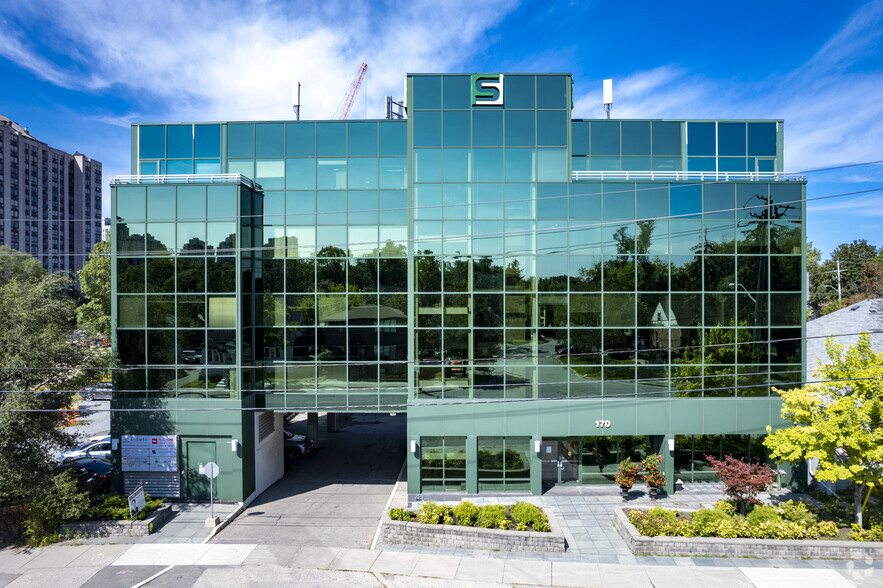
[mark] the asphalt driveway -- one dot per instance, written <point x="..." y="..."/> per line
<point x="334" y="497"/>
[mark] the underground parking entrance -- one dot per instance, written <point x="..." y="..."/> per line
<point x="333" y="495"/>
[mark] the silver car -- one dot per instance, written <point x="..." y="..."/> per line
<point x="100" y="391"/>
<point x="93" y="449"/>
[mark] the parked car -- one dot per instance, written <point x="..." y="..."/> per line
<point x="297" y="446"/>
<point x="91" y="474"/>
<point x="100" y="391"/>
<point x="95" y="448"/>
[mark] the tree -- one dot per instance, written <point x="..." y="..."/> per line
<point x="861" y="276"/>
<point x="838" y="420"/>
<point x="41" y="362"/>
<point x="742" y="481"/>
<point x="94" y="316"/>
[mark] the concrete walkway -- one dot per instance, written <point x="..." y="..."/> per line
<point x="271" y="565"/>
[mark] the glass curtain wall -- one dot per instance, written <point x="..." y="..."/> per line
<point x="177" y="289"/>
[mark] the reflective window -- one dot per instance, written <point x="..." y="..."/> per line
<point x="180" y="141"/>
<point x="151" y="142"/>
<point x="579" y="138"/>
<point x="521" y="165"/>
<point x="487" y="128"/>
<point x="552" y="165"/>
<point x="427" y="128"/>
<point x="362" y="138"/>
<point x="635" y="138"/>
<point x="207" y="140"/>
<point x="331" y="174"/>
<point x="520" y="91"/>
<point x="731" y="139"/>
<point x="362" y="173"/>
<point x="427" y="92"/>
<point x="456" y="129"/>
<point x="427" y="165"/>
<point x="130" y="202"/>
<point x="393" y="138"/>
<point x="552" y="91"/>
<point x="488" y="165"/>
<point x="701" y="138"/>
<point x="331" y="139"/>
<point x="520" y="128"/>
<point x="457" y="165"/>
<point x="605" y="138"/>
<point x="762" y="139"/>
<point x="300" y="139"/>
<point x="666" y="138"/>
<point x="240" y="140"/>
<point x="456" y="91"/>
<point x="552" y="127"/>
<point x="300" y="174"/>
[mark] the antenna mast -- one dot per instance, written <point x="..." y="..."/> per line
<point x="608" y="96"/>
<point x="346" y="105"/>
<point x="296" y="105"/>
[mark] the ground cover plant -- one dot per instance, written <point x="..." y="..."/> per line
<point x="521" y="516"/>
<point x="789" y="520"/>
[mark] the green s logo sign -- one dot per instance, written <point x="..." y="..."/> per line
<point x="487" y="89"/>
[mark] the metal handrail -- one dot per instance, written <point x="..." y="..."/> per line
<point x="187" y="179"/>
<point x="702" y="176"/>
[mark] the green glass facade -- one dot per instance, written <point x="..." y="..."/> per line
<point x="502" y="273"/>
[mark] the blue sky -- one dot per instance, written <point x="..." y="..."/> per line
<point x="78" y="74"/>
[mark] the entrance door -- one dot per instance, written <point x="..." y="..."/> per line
<point x="560" y="461"/>
<point x="198" y="453"/>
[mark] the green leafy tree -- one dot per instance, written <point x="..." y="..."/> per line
<point x="838" y="420"/>
<point x="94" y="316"/>
<point x="41" y="361"/>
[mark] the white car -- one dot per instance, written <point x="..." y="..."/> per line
<point x="95" y="448"/>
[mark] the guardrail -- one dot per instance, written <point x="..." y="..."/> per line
<point x="187" y="179"/>
<point x="688" y="175"/>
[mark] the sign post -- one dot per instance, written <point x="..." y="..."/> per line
<point x="211" y="470"/>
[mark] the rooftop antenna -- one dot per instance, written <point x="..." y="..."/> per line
<point x="296" y="105"/>
<point x="608" y="96"/>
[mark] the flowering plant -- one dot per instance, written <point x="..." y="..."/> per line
<point x="628" y="472"/>
<point x="652" y="473"/>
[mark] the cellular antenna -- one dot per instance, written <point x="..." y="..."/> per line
<point x="608" y="96"/>
<point x="296" y="97"/>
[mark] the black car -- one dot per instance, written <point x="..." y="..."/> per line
<point x="91" y="474"/>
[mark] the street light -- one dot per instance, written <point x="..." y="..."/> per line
<point x="734" y="284"/>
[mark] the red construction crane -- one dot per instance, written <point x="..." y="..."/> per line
<point x="346" y="104"/>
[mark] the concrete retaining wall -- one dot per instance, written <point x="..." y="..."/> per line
<point x="119" y="528"/>
<point x="394" y="532"/>
<point x="742" y="547"/>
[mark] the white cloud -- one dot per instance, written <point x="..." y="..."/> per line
<point x="229" y="61"/>
<point x="832" y="114"/>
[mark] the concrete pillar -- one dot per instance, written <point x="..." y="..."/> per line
<point x="472" y="464"/>
<point x="331" y="422"/>
<point x="313" y="426"/>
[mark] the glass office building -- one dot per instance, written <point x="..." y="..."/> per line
<point x="541" y="295"/>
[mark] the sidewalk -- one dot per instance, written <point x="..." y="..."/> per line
<point x="267" y="565"/>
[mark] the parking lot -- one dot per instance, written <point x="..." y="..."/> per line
<point x="335" y="496"/>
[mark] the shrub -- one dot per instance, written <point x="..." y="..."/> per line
<point x="529" y="514"/>
<point x="827" y="529"/>
<point x="742" y="482"/>
<point x="780" y="530"/>
<point x="466" y="513"/>
<point x="797" y="512"/>
<point x="875" y="533"/>
<point x="433" y="514"/>
<point x="115" y="507"/>
<point x="492" y="515"/>
<point x="706" y="521"/>
<point x="400" y="514"/>
<point x="657" y="512"/>
<point x="763" y="513"/>
<point x="725" y="506"/>
<point x="58" y="501"/>
<point x="656" y="522"/>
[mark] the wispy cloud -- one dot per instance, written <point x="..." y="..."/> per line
<point x="239" y="60"/>
<point x="832" y="108"/>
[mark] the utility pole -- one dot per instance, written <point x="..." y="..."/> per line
<point x="837" y="271"/>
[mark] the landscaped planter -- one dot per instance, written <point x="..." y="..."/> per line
<point x="760" y="548"/>
<point x="118" y="528"/>
<point x="454" y="536"/>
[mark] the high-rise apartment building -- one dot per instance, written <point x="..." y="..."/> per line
<point x="50" y="200"/>
<point x="541" y="295"/>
